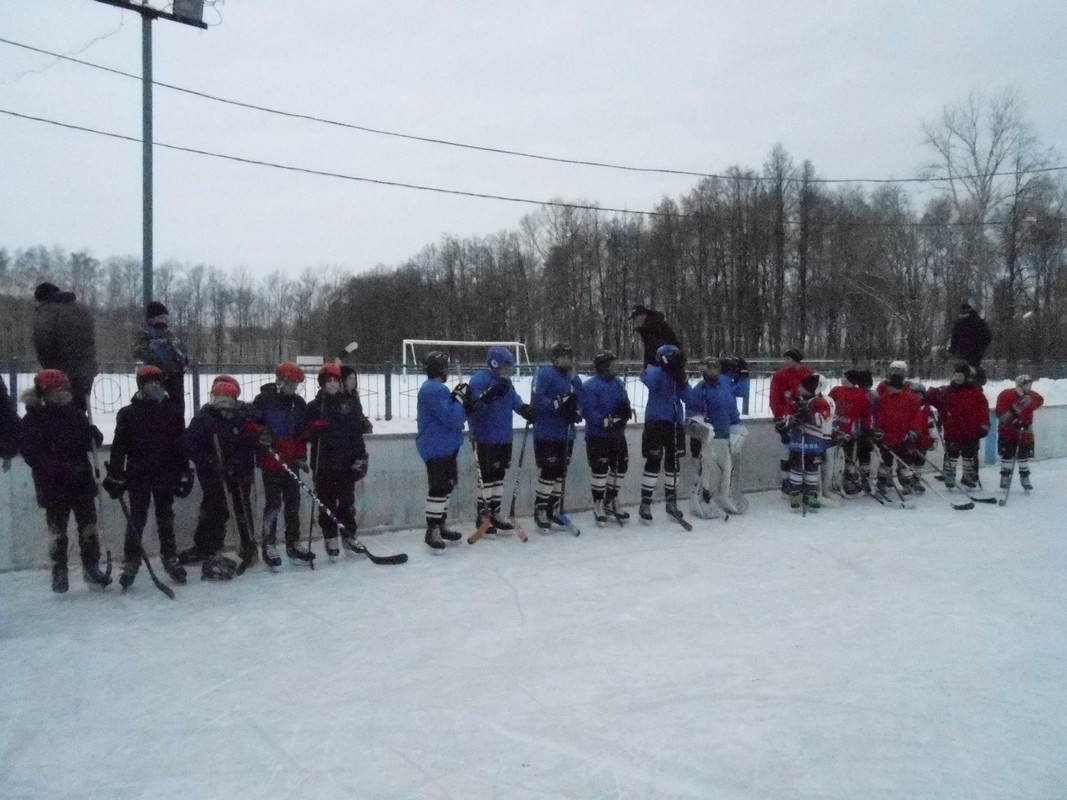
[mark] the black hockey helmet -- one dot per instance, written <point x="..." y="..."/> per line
<point x="710" y="364"/>
<point x="436" y="364"/>
<point x="669" y="356"/>
<point x="603" y="363"/>
<point x="560" y="349"/>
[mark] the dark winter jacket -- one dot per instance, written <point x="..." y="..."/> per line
<point x="64" y="336"/>
<point x="335" y="448"/>
<point x="9" y="424"/>
<point x="441" y="419"/>
<point x="147" y="448"/>
<point x="286" y="416"/>
<point x="237" y="431"/>
<point x="602" y="398"/>
<point x="56" y="442"/>
<point x="655" y="332"/>
<point x="555" y="424"/>
<point x="970" y="338"/>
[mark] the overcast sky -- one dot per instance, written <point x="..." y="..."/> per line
<point x="699" y="85"/>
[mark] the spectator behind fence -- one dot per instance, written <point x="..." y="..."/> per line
<point x="157" y="346"/>
<point x="654" y="332"/>
<point x="970" y="336"/>
<point x="65" y="339"/>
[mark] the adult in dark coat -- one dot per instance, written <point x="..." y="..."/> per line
<point x="654" y="332"/>
<point x="159" y="347"/>
<point x="64" y="337"/>
<point x="970" y="336"/>
<point x="9" y="428"/>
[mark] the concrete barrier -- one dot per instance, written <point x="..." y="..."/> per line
<point x="395" y="488"/>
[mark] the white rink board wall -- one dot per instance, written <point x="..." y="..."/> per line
<point x="112" y="391"/>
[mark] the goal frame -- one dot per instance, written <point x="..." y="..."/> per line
<point x="522" y="357"/>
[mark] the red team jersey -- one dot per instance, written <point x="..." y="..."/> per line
<point x="1005" y="401"/>
<point x="853" y="407"/>
<point x="964" y="411"/>
<point x="785" y="384"/>
<point x="899" y="413"/>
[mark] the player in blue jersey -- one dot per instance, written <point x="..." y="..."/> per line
<point x="555" y="403"/>
<point x="606" y="409"/>
<point x="441" y="417"/>
<point x="662" y="440"/>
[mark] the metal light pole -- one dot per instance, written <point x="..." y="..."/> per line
<point x="188" y="12"/>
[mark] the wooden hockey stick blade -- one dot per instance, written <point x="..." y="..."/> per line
<point x="482" y="529"/>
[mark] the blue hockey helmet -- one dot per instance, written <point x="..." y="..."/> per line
<point x="499" y="358"/>
<point x="668" y="355"/>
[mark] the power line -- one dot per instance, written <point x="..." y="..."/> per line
<point x="516" y="153"/>
<point x="458" y="192"/>
<point x="58" y="57"/>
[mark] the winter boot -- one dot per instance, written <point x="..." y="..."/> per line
<point x="1005" y="479"/>
<point x="271" y="557"/>
<point x="1024" y="480"/>
<point x="433" y="537"/>
<point x="644" y="511"/>
<point x="174" y="569"/>
<point x="297" y="551"/>
<point x="60" y="583"/>
<point x="447" y="534"/>
<point x="218" y="568"/>
<point x="611" y="505"/>
<point x="332" y="548"/>
<point x="541" y="517"/>
<point x="129" y="572"/>
<point x="598" y="512"/>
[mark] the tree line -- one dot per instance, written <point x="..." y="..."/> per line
<point x="751" y="262"/>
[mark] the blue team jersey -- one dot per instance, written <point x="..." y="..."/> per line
<point x="664" y="404"/>
<point x="440" y="421"/>
<point x="600" y="398"/>
<point x="491" y="421"/>
<point x="715" y="404"/>
<point x="738" y="387"/>
<point x="551" y="423"/>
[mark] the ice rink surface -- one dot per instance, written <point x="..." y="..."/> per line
<point x="863" y="652"/>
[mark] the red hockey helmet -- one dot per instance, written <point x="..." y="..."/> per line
<point x="226" y="386"/>
<point x="148" y="373"/>
<point x="51" y="380"/>
<point x="289" y="372"/>
<point x="330" y="371"/>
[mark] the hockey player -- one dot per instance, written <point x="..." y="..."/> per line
<point x="148" y="461"/>
<point x="810" y="428"/>
<point x="493" y="400"/>
<point x="900" y="433"/>
<point x="716" y="436"/>
<point x="662" y="440"/>
<point x="285" y="415"/>
<point x="785" y="385"/>
<point x="220" y="441"/>
<point x="604" y="404"/>
<point x="900" y="368"/>
<point x="853" y="421"/>
<point x="56" y="438"/>
<point x="441" y="417"/>
<point x="1015" y="417"/>
<point x="964" y="414"/>
<point x="159" y="347"/>
<point x="735" y="376"/>
<point x="555" y="404"/>
<point x="338" y="456"/>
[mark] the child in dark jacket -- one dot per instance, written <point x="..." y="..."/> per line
<point x="338" y="456"/>
<point x="220" y="441"/>
<point x="56" y="439"/>
<point x="148" y="461"/>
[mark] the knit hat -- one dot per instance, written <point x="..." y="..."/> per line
<point x="794" y="354"/>
<point x="155" y="309"/>
<point x="639" y="309"/>
<point x="45" y="292"/>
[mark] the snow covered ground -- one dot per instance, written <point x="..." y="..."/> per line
<point x="863" y="652"/>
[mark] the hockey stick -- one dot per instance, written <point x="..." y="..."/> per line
<point x="96" y="497"/>
<point x="1011" y="475"/>
<point x="521" y="531"/>
<point x="958" y="506"/>
<point x="399" y="558"/>
<point x="865" y="477"/>
<point x="485" y="522"/>
<point x="883" y="448"/>
<point x="990" y="500"/>
<point x="231" y="508"/>
<point x="144" y="556"/>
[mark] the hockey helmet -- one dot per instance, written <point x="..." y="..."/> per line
<point x="793" y="354"/>
<point x="499" y="358"/>
<point x="1024" y="381"/>
<point x="51" y="380"/>
<point x="668" y="355"/>
<point x="289" y="372"/>
<point x="329" y="372"/>
<point x="148" y="372"/>
<point x="226" y="386"/>
<point x="709" y="365"/>
<point x="436" y="364"/>
<point x="604" y="363"/>
<point x="561" y="350"/>
<point x="810" y="384"/>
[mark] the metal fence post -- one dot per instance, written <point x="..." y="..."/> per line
<point x="387" y="374"/>
<point x="13" y="381"/>
<point x="194" y="371"/>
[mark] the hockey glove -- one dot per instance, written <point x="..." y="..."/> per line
<point x="562" y="400"/>
<point x="185" y="484"/>
<point x="301" y="465"/>
<point x="114" y="484"/>
<point x="498" y="389"/>
<point x="365" y="426"/>
<point x="1022" y="403"/>
<point x="527" y="412"/>
<point x="697" y="430"/>
<point x="359" y="469"/>
<point x="877" y="435"/>
<point x="781" y="424"/>
<point x="911" y="438"/>
<point x="266" y="438"/>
